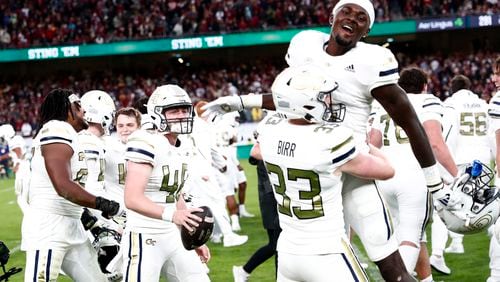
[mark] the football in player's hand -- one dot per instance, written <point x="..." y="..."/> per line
<point x="200" y="234"/>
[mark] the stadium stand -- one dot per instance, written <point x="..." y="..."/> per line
<point x="209" y="82"/>
<point x="26" y="24"/>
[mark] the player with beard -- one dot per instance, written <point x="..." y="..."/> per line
<point x="364" y="72"/>
<point x="53" y="236"/>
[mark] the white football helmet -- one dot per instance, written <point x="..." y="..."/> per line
<point x="306" y="92"/>
<point x="231" y="118"/>
<point x="99" y="108"/>
<point x="479" y="203"/>
<point x="7" y="131"/>
<point x="107" y="245"/>
<point x="166" y="97"/>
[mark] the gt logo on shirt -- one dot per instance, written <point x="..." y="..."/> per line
<point x="150" y="242"/>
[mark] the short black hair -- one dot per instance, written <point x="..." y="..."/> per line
<point x="141" y="105"/>
<point x="412" y="80"/>
<point x="459" y="82"/>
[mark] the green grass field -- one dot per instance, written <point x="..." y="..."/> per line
<point x="471" y="266"/>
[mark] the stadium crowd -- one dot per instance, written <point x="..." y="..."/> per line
<point x="210" y="82"/>
<point x="25" y="24"/>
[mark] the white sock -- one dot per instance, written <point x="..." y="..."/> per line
<point x="409" y="254"/>
<point x="235" y="218"/>
<point x="456" y="238"/>
<point x="439" y="236"/>
<point x="427" y="279"/>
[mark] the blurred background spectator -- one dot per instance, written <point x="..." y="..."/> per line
<point x="25" y="23"/>
<point x="19" y="98"/>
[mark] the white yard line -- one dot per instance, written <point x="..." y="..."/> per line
<point x="16" y="249"/>
<point x="8" y="189"/>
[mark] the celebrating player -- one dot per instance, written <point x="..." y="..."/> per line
<point x="53" y="236"/>
<point x="157" y="168"/>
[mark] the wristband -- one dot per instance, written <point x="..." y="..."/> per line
<point x="433" y="178"/>
<point x="167" y="214"/>
<point x="251" y="101"/>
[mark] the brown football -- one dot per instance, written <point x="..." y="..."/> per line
<point x="200" y="234"/>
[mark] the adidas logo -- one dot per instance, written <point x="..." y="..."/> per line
<point x="350" y="68"/>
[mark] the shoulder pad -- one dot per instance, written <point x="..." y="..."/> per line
<point x="378" y="65"/>
<point x="140" y="147"/>
<point x="56" y="131"/>
<point x="90" y="144"/>
<point x="342" y="148"/>
<point x="494" y="110"/>
<point x="16" y="142"/>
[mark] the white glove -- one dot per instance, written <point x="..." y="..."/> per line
<point x="228" y="104"/>
<point x="447" y="198"/>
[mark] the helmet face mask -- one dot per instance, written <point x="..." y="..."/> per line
<point x="334" y="112"/>
<point x="176" y="125"/>
<point x="479" y="202"/>
<point x="306" y="92"/>
<point x="168" y="97"/>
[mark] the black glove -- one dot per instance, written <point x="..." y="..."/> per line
<point x="108" y="208"/>
<point x="253" y="161"/>
<point x="88" y="219"/>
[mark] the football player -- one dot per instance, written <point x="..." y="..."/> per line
<point x="307" y="175"/>
<point x="16" y="145"/>
<point x="494" y="114"/>
<point x="202" y="183"/>
<point x="406" y="193"/>
<point x="469" y="140"/>
<point x="98" y="109"/>
<point x="364" y="72"/>
<point x="20" y="166"/>
<point x="226" y="134"/>
<point x="126" y="121"/>
<point x="157" y="167"/>
<point x="53" y="236"/>
<point x="233" y="119"/>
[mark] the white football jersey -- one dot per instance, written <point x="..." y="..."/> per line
<point x="42" y="195"/>
<point x="115" y="169"/>
<point x="427" y="107"/>
<point x="224" y="132"/>
<point x="471" y="118"/>
<point x="17" y="142"/>
<point x="494" y="112"/>
<point x="357" y="72"/>
<point x="170" y="170"/>
<point x="203" y="138"/>
<point x="202" y="180"/>
<point x="93" y="150"/>
<point x="301" y="161"/>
